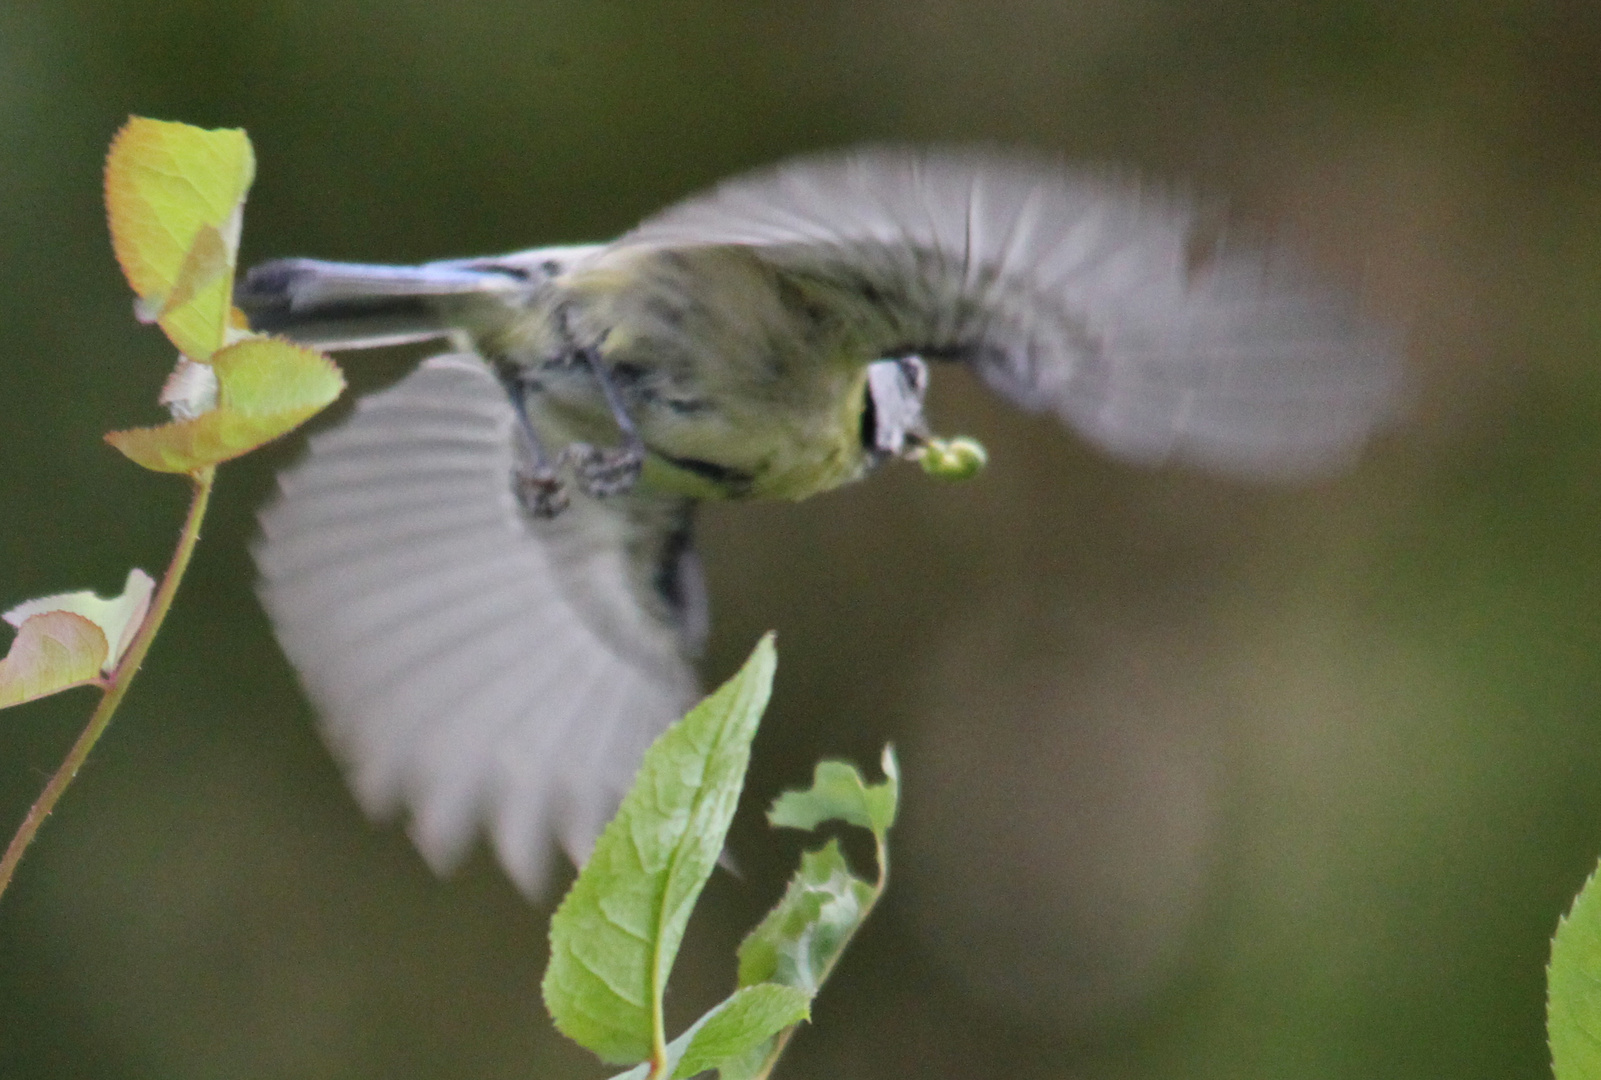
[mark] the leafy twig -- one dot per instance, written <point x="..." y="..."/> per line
<point x="175" y="201"/>
<point x="116" y="685"/>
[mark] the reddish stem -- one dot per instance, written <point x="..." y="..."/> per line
<point x="117" y="684"/>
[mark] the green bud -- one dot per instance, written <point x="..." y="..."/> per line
<point x="953" y="459"/>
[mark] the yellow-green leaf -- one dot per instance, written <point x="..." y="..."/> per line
<point x="264" y="376"/>
<point x="53" y="651"/>
<point x="265" y="388"/>
<point x="174" y="198"/>
<point x="196" y="312"/>
<point x="117" y="617"/>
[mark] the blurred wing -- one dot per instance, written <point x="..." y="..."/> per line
<point x="472" y="665"/>
<point x="1109" y="304"/>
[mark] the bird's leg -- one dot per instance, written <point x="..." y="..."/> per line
<point x="605" y="471"/>
<point x="538" y="488"/>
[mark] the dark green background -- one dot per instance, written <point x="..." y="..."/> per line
<point x="1203" y="780"/>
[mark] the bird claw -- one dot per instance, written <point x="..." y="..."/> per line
<point x="604" y="472"/>
<point x="541" y="492"/>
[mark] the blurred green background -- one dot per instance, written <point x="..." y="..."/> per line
<point x="1203" y="780"/>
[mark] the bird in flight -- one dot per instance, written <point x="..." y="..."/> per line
<point x="486" y="574"/>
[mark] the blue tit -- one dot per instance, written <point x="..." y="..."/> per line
<point x="485" y="576"/>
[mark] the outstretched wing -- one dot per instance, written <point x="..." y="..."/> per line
<point x="1115" y="306"/>
<point x="473" y="666"/>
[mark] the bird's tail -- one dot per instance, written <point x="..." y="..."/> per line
<point x="336" y="305"/>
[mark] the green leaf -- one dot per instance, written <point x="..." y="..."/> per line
<point x="839" y="793"/>
<point x="745" y="1021"/>
<point x="616" y="933"/>
<point x="799" y="941"/>
<point x="781" y="1001"/>
<point x="53" y="651"/>
<point x="751" y="1065"/>
<point x="118" y="617"/>
<point x="675" y="1051"/>
<point x="265" y="389"/>
<point x="174" y="199"/>
<point x="1573" y="1004"/>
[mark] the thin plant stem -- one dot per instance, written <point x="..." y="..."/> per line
<point x="117" y="685"/>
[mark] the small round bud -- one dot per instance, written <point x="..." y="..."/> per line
<point x="953" y="459"/>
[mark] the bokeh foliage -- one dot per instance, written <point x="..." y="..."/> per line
<point x="1204" y="780"/>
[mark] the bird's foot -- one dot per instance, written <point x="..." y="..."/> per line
<point x="603" y="472"/>
<point x="540" y="491"/>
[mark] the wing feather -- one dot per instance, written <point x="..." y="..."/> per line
<point x="1107" y="302"/>
<point x="472" y="667"/>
